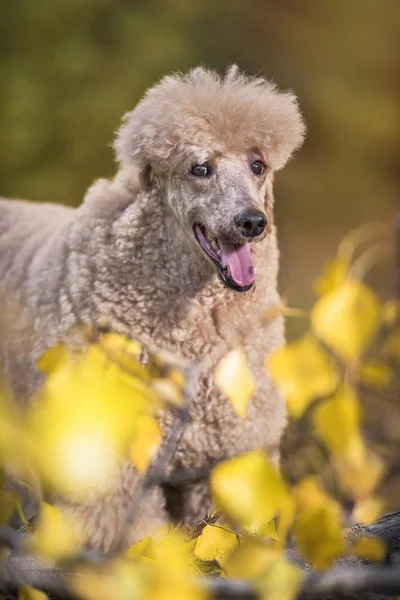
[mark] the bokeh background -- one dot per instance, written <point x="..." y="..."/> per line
<point x="69" y="69"/>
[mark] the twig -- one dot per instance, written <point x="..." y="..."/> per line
<point x="159" y="467"/>
<point x="351" y="583"/>
<point x="181" y="477"/>
<point x="347" y="578"/>
<point x="18" y="570"/>
<point x="11" y="538"/>
<point x="230" y="589"/>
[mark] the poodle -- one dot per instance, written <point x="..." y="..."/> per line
<point x="180" y="246"/>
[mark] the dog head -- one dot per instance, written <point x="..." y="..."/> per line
<point x="212" y="145"/>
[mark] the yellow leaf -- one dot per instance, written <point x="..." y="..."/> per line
<point x="28" y="593"/>
<point x="318" y="528"/>
<point x="8" y="503"/>
<point x="249" y="489"/>
<point x="304" y="372"/>
<point x="337" y="423"/>
<point x="368" y="510"/>
<point x="359" y="476"/>
<point x="168" y="391"/>
<point x="215" y="543"/>
<point x="146" y="443"/>
<point x="369" y="548"/>
<point x="58" y="535"/>
<point x="273" y="576"/>
<point x="116" y="579"/>
<point x="126" y="351"/>
<point x="52" y="359"/>
<point x="390" y="312"/>
<point x="145" y="548"/>
<point x="175" y="575"/>
<point x="347" y="318"/>
<point x="391" y="346"/>
<point x="234" y="379"/>
<point x="269" y="530"/>
<point x="334" y="275"/>
<point x="251" y="559"/>
<point x="84" y="422"/>
<point x="15" y="451"/>
<point x="282" y="581"/>
<point x="376" y="374"/>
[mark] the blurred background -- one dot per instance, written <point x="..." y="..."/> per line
<point x="70" y="69"/>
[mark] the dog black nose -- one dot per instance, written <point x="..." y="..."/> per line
<point x="251" y="222"/>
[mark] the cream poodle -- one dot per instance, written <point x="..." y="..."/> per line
<point x="180" y="247"/>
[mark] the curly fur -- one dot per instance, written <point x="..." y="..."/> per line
<point x="127" y="255"/>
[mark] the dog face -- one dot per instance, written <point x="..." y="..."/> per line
<point x="211" y="144"/>
<point x="225" y="202"/>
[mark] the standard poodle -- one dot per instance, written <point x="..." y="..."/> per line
<point x="179" y="247"/>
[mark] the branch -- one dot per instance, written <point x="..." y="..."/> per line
<point x="347" y="578"/>
<point x="159" y="467"/>
<point x="351" y="582"/>
<point x="384" y="581"/>
<point x="184" y="476"/>
<point x="11" y="538"/>
<point x="28" y="570"/>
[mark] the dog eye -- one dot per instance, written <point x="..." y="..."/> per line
<point x="258" y="167"/>
<point x="202" y="170"/>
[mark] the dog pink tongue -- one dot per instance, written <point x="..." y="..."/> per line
<point x="239" y="261"/>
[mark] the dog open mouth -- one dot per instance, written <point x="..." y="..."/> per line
<point x="234" y="262"/>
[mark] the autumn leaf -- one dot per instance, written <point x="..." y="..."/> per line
<point x="391" y="312"/>
<point x="58" y="535"/>
<point x="337" y="424"/>
<point x="334" y="275"/>
<point x="215" y="543"/>
<point x="369" y="548"/>
<point x="346" y="319"/>
<point x="359" y="477"/>
<point x="126" y="352"/>
<point x="304" y="372"/>
<point x="169" y="391"/>
<point x="251" y="559"/>
<point x="249" y="489"/>
<point x="84" y="422"/>
<point x="318" y="527"/>
<point x="117" y="579"/>
<point x="8" y="504"/>
<point x="368" y="509"/>
<point x="234" y="379"/>
<point x="145" y="548"/>
<point x="53" y="359"/>
<point x="15" y="448"/>
<point x="146" y="443"/>
<point x="174" y="575"/>
<point x="391" y="346"/>
<point x="376" y="374"/>
<point x="282" y="581"/>
<point x="273" y="575"/>
<point x="29" y="593"/>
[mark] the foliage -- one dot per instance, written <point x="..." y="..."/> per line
<point x="100" y="406"/>
<point x="70" y="69"/>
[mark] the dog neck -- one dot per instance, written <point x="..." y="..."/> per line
<point x="147" y="272"/>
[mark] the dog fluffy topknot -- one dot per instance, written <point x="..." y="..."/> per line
<point x="207" y="111"/>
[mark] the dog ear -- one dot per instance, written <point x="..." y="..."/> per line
<point x="146" y="177"/>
